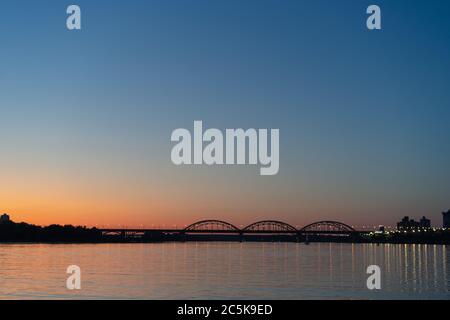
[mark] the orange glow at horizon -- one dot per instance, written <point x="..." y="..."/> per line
<point x="115" y="200"/>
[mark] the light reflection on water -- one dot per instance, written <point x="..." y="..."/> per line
<point x="224" y="271"/>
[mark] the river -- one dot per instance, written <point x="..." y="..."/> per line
<point x="219" y="270"/>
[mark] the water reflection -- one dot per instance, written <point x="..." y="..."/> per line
<point x="225" y="270"/>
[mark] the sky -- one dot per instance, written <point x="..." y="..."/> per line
<point x="86" y="116"/>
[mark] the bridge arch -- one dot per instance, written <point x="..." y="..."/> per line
<point x="270" y="225"/>
<point x="211" y="225"/>
<point x="334" y="226"/>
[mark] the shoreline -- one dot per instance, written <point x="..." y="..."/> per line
<point x="11" y="232"/>
<point x="213" y="241"/>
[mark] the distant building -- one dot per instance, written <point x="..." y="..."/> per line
<point x="407" y="223"/>
<point x="411" y="224"/>
<point x="425" y="223"/>
<point x="446" y="219"/>
<point x="4" y="218"/>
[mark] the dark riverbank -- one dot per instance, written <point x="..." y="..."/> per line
<point x="24" y="232"/>
<point x="11" y="232"/>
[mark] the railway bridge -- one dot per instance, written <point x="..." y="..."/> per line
<point x="261" y="228"/>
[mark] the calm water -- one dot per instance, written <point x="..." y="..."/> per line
<point x="224" y="270"/>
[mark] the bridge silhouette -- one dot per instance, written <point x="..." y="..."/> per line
<point x="265" y="227"/>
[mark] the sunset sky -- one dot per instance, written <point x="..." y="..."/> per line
<point x="86" y="116"/>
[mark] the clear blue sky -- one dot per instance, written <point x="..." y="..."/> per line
<point x="86" y="116"/>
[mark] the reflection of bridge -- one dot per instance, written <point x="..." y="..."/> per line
<point x="266" y="227"/>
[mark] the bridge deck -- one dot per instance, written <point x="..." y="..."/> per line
<point x="183" y="231"/>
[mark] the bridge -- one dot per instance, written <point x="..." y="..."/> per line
<point x="265" y="227"/>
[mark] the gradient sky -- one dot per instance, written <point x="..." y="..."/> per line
<point x="86" y="116"/>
